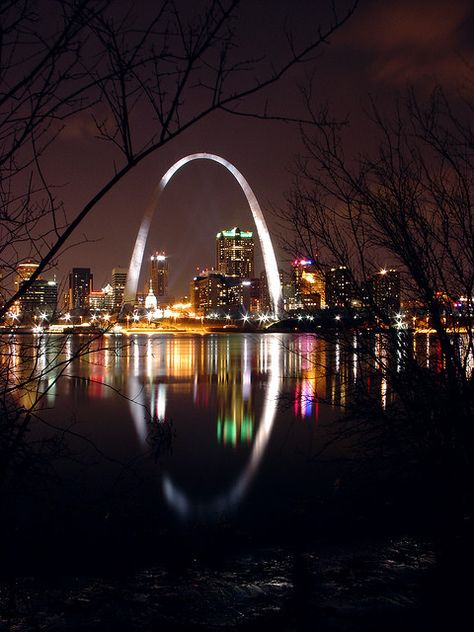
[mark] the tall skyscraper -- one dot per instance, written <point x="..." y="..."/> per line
<point x="339" y="287"/>
<point x="23" y="272"/>
<point x="119" y="279"/>
<point x="386" y="290"/>
<point x="309" y="283"/>
<point x="80" y="286"/>
<point x="235" y="253"/>
<point x="159" y="274"/>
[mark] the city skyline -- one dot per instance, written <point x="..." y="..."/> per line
<point x="309" y="286"/>
<point x="201" y="198"/>
<point x="237" y="314"/>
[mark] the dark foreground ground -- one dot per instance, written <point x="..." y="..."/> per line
<point x="403" y="568"/>
<point x="391" y="585"/>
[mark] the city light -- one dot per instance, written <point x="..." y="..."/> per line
<point x="400" y="322"/>
<point x="181" y="306"/>
<point x="303" y="262"/>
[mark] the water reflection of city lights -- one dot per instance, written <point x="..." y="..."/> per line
<point x="354" y="358"/>
<point x="230" y="431"/>
<point x="304" y="399"/>
<point x="158" y="402"/>
<point x="383" y="390"/>
<point x="246" y="372"/>
<point x="188" y="507"/>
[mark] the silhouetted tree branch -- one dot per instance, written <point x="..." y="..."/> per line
<point x="407" y="203"/>
<point x="173" y="71"/>
<point x="102" y="60"/>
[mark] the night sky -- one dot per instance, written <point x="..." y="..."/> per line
<point x="386" y="45"/>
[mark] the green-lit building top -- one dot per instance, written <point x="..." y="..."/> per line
<point x="233" y="232"/>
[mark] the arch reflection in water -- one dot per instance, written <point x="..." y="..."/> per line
<point x="188" y="507"/>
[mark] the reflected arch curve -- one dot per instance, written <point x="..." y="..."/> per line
<point x="269" y="258"/>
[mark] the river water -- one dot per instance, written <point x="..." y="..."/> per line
<point x="210" y="423"/>
<point x="192" y="468"/>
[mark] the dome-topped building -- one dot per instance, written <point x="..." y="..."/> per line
<point x="150" y="300"/>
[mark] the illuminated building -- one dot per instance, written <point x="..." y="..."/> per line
<point x="102" y="300"/>
<point x="119" y="279"/>
<point x="288" y="292"/>
<point x="309" y="284"/>
<point x="159" y="274"/>
<point x="96" y="300"/>
<point x="211" y="291"/>
<point x="252" y="295"/>
<point x="339" y="287"/>
<point x="386" y="290"/>
<point x="208" y="291"/>
<point x="24" y="272"/>
<point x="234" y="253"/>
<point x="40" y="296"/>
<point x="80" y="286"/>
<point x="150" y="300"/>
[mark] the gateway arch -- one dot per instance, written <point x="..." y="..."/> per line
<point x="269" y="259"/>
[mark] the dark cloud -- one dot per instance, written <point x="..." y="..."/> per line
<point x="413" y="40"/>
<point x="79" y="127"/>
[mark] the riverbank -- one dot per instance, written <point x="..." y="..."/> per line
<point x="357" y="574"/>
<point x="358" y="555"/>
